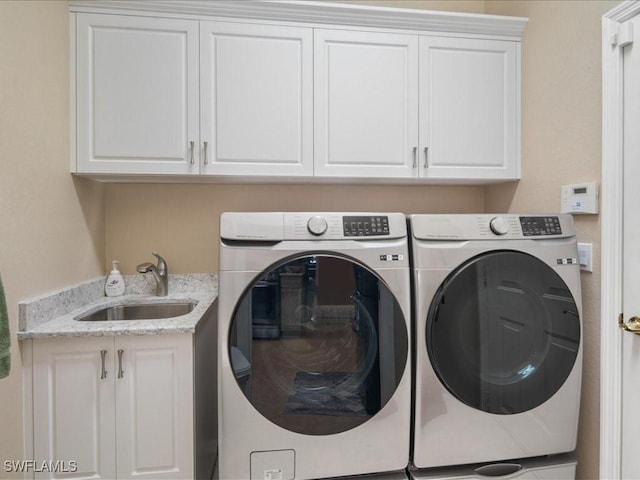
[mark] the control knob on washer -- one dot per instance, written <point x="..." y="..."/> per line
<point x="317" y="225"/>
<point x="499" y="226"/>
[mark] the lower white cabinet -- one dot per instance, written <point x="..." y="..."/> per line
<point x="115" y="407"/>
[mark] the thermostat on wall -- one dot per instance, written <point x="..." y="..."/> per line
<point x="579" y="198"/>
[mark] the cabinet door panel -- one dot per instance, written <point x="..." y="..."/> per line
<point x="155" y="407"/>
<point x="366" y="103"/>
<point x="468" y="102"/>
<point x="137" y="97"/>
<point x="74" y="418"/>
<point x="256" y="99"/>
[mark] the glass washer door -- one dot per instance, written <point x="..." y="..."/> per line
<point x="503" y="332"/>
<point x="318" y="344"/>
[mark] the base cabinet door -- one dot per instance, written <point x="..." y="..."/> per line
<point x="73" y="409"/>
<point x="154" y="403"/>
<point x="114" y="407"/>
<point x="469" y="120"/>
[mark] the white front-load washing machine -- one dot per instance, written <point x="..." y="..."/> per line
<point x="314" y="368"/>
<point x="497" y="337"/>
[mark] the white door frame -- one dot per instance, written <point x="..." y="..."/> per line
<point x="613" y="38"/>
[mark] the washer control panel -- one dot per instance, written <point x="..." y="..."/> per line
<point x="317" y="225"/>
<point x="499" y="226"/>
<point x="540" y="226"/>
<point x="279" y="226"/>
<point x="369" y="226"/>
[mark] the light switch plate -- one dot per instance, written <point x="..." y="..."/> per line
<point x="585" y="255"/>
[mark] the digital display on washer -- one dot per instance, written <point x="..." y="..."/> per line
<point x="360" y="226"/>
<point x="540" y="226"/>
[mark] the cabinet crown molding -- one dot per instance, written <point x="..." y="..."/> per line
<point x="321" y="13"/>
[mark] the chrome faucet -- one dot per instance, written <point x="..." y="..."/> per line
<point x="160" y="273"/>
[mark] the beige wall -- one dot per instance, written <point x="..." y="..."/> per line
<point x="561" y="144"/>
<point x="57" y="231"/>
<point x="181" y="221"/>
<point x="52" y="232"/>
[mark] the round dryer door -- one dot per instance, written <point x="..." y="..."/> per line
<point x="318" y="344"/>
<point x="503" y="332"/>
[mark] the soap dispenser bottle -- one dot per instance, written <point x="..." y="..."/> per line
<point x="115" y="283"/>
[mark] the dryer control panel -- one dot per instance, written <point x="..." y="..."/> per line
<point x="359" y="226"/>
<point x="540" y="226"/>
<point x="491" y="227"/>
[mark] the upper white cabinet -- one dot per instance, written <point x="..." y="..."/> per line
<point x="407" y="106"/>
<point x="256" y="99"/>
<point x="366" y="103"/>
<point x="469" y="109"/>
<point x="167" y="96"/>
<point x="269" y="91"/>
<point x="137" y="103"/>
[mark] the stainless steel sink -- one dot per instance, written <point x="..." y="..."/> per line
<point x="139" y="311"/>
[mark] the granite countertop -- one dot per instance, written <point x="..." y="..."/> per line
<point x="53" y="314"/>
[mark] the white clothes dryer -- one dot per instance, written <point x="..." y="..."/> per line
<point x="497" y="337"/>
<point x="314" y="326"/>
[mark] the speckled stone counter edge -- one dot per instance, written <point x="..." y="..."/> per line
<point x="53" y="314"/>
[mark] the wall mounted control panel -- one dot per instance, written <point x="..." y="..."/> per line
<point x="579" y="198"/>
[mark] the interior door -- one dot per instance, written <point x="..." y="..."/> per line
<point x="630" y="467"/>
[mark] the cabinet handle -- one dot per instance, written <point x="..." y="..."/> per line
<point x="192" y="160"/>
<point x="205" y="153"/>
<point x="415" y="157"/>
<point x="103" y="372"/>
<point x="426" y="157"/>
<point x="120" y="371"/>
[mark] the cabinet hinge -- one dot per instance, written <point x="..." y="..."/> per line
<point x="624" y="35"/>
